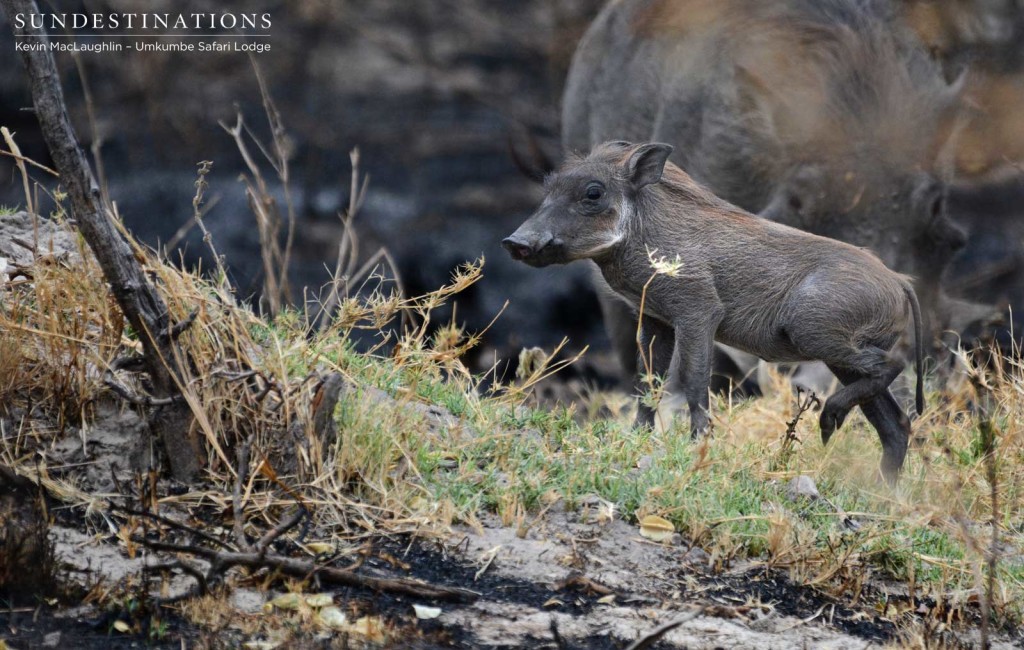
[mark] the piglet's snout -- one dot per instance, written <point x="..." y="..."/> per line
<point x="517" y="248"/>
<point x="523" y="248"/>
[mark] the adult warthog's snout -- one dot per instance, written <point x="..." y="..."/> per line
<point x="533" y="249"/>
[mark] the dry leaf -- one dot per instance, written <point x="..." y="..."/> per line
<point x="656" y="528"/>
<point x="320" y="548"/>
<point x="370" y="627"/>
<point x="286" y="601"/>
<point x="333" y="618"/>
<point x="426" y="613"/>
<point x="319" y="600"/>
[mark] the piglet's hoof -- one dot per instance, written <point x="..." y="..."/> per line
<point x="832" y="418"/>
<point x="829" y="421"/>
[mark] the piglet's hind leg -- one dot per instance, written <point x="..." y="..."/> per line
<point x="865" y="375"/>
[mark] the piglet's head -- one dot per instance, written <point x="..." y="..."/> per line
<point x="585" y="201"/>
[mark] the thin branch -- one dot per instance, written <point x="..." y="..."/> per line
<point x="97" y="139"/>
<point x="241" y="473"/>
<point x="167" y="521"/>
<point x="651" y="638"/>
<point x="19" y="161"/>
<point x="283" y="527"/>
<point x="188" y="568"/>
<point x="174" y="332"/>
<point x="222" y="560"/>
<point x="137" y="399"/>
<point x="21" y="158"/>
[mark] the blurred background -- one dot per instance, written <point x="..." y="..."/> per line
<point x="436" y="95"/>
<point x="432" y="94"/>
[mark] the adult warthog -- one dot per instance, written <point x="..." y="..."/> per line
<point x="818" y="114"/>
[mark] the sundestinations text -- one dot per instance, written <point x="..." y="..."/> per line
<point x="99" y="21"/>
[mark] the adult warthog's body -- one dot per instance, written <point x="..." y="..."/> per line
<point x="773" y="291"/>
<point x="818" y="114"/>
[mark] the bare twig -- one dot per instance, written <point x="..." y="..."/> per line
<point x="25" y="159"/>
<point x="19" y="161"/>
<point x="188" y="568"/>
<point x="268" y="220"/>
<point x="281" y="528"/>
<point x="197" y="217"/>
<point x="220" y="561"/>
<point x="170" y="523"/>
<point x="348" y="247"/>
<point x="138" y="399"/>
<point x="282" y="155"/>
<point x="97" y="138"/>
<point x="651" y="638"/>
<point x="236" y="496"/>
<point x="805" y="401"/>
<point x="174" y="332"/>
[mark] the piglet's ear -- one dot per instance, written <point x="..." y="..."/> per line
<point x="647" y="164"/>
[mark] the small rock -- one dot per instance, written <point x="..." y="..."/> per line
<point x="850" y="523"/>
<point x="802" y="486"/>
<point x="51" y="640"/>
<point x="248" y="601"/>
<point x="696" y="557"/>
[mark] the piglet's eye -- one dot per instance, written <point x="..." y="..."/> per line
<point x="594" y="192"/>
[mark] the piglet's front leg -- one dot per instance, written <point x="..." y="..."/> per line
<point x="657" y="346"/>
<point x="691" y="369"/>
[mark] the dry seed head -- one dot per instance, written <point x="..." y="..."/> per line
<point x="663" y="266"/>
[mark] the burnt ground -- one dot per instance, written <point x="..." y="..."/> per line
<point x="570" y="582"/>
<point x="723" y="596"/>
<point x="47" y="626"/>
<point x="64" y="625"/>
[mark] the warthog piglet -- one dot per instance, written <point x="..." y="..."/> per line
<point x="771" y="290"/>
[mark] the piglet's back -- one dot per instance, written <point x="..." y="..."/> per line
<point x="727" y="229"/>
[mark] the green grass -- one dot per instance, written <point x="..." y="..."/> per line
<point x="726" y="494"/>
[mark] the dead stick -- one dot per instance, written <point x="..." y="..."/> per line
<point x="167" y="521"/>
<point x="138" y="299"/>
<point x="223" y="560"/>
<point x="236" y="496"/>
<point x="281" y="529"/>
<point x="648" y="640"/>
